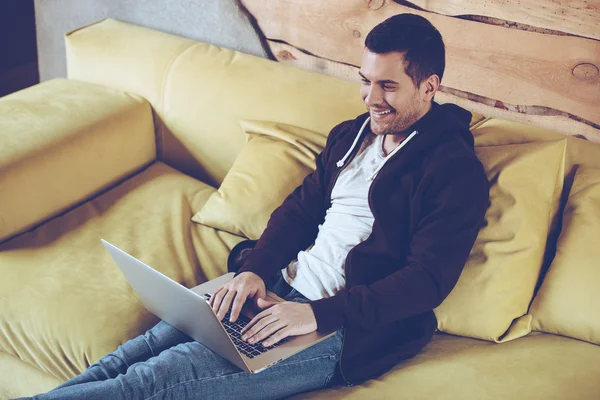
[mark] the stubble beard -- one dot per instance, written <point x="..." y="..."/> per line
<point x="398" y="125"/>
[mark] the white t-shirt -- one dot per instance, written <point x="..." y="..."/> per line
<point x="318" y="271"/>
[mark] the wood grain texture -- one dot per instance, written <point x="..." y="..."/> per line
<point x="545" y="118"/>
<point x="508" y="65"/>
<point x="578" y="17"/>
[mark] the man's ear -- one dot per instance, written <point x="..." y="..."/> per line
<point x="430" y="87"/>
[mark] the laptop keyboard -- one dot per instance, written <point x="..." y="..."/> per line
<point x="233" y="329"/>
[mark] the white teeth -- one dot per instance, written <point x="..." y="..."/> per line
<point x="382" y="112"/>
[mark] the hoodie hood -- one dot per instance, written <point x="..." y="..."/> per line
<point x="447" y="119"/>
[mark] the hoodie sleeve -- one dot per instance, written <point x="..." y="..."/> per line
<point x="293" y="226"/>
<point x="456" y="200"/>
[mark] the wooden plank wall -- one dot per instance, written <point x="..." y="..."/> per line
<point x="534" y="61"/>
<point x="578" y="17"/>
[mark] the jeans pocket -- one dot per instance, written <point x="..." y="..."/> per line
<point x="329" y="379"/>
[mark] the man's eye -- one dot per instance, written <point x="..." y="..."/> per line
<point x="385" y="87"/>
<point x="366" y="82"/>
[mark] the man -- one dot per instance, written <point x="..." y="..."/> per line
<point x="371" y="242"/>
<point x="390" y="233"/>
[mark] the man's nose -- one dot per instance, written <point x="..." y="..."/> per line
<point x="374" y="96"/>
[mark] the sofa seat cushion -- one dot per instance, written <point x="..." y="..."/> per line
<point x="539" y="366"/>
<point x="20" y="379"/>
<point x="64" y="303"/>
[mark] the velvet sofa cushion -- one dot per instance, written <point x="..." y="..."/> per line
<point x="20" y="379"/>
<point x="63" y="141"/>
<point x="568" y="301"/>
<point x="537" y="367"/>
<point x="200" y="91"/>
<point x="273" y="163"/>
<point x="492" y="295"/>
<point x="63" y="301"/>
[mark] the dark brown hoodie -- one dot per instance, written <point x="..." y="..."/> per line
<point x="428" y="203"/>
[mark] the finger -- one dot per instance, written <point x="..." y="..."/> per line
<point x="212" y="297"/>
<point x="264" y="304"/>
<point x="226" y="304"/>
<point x="259" y="326"/>
<point x="267" y="331"/>
<point x="257" y="318"/>
<point x="279" y="335"/>
<point x="238" y="303"/>
<point x="250" y="324"/>
<point x="218" y="297"/>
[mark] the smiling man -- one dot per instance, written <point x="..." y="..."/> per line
<point x="378" y="235"/>
<point x="386" y="89"/>
<point x="370" y="243"/>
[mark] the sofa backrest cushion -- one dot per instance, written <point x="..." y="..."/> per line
<point x="497" y="284"/>
<point x="569" y="298"/>
<point x="200" y="91"/>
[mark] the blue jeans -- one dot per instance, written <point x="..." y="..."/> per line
<point x="164" y="363"/>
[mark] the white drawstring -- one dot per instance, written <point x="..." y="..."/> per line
<point x="340" y="163"/>
<point x="392" y="153"/>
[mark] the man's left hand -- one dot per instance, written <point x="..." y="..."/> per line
<point x="281" y="320"/>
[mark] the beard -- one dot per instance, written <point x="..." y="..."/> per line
<point x="397" y="122"/>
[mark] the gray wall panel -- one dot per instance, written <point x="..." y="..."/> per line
<point x="219" y="22"/>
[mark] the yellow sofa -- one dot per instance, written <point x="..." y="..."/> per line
<point x="133" y="144"/>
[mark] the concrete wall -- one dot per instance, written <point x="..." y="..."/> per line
<point x="219" y="22"/>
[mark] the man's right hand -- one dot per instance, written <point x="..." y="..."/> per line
<point x="237" y="290"/>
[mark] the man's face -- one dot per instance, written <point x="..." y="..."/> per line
<point x="390" y="95"/>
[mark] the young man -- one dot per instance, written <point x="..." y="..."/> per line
<point x="371" y="242"/>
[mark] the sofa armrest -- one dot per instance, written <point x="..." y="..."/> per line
<point x="63" y="141"/>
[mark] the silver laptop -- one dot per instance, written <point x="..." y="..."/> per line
<point x="189" y="311"/>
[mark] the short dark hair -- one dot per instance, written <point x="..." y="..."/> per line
<point x="417" y="38"/>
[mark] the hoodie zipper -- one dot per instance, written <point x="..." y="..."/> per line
<point x="348" y="383"/>
<point x="340" y="363"/>
<point x="340" y="169"/>
<point x="346" y="269"/>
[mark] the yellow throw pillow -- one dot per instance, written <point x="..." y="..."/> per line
<point x="499" y="278"/>
<point x="275" y="160"/>
<point x="568" y="301"/>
